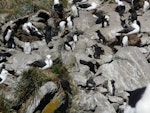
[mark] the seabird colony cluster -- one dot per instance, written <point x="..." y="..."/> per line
<point x="60" y="23"/>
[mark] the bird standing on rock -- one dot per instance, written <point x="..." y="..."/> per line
<point x="43" y="64"/>
<point x="3" y="74"/>
<point x="30" y="29"/>
<point x="133" y="29"/>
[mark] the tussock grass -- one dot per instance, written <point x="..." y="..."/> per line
<point x="30" y="82"/>
<point x="5" y="104"/>
<point x="18" y="8"/>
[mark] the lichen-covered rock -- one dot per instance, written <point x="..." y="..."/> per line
<point x="33" y="102"/>
<point x="129" y="69"/>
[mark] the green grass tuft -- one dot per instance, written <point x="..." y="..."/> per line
<point x="4" y="104"/>
<point x="30" y="82"/>
<point x="59" y="69"/>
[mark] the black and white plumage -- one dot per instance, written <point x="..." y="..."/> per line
<point x="17" y="23"/>
<point x="120" y="8"/>
<point x="138" y="100"/>
<point x="69" y="46"/>
<point x="133" y="15"/>
<point x="124" y="22"/>
<point x="110" y="86"/>
<point x="11" y="43"/>
<point x="134" y="28"/>
<point x="142" y="105"/>
<point x="104" y="20"/>
<point x="2" y="58"/>
<point x="93" y="67"/>
<point x="62" y="25"/>
<point x="3" y="74"/>
<point x="69" y="22"/>
<point x="97" y="51"/>
<point x="8" y="34"/>
<point x="43" y="64"/>
<point x="43" y="15"/>
<point x="58" y="8"/>
<point x="101" y="37"/>
<point x="90" y="84"/>
<point x="31" y="29"/>
<point x="77" y="1"/>
<point x="88" y="6"/>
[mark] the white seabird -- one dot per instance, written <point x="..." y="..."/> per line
<point x="8" y="33"/>
<point x="3" y="75"/>
<point x="88" y="6"/>
<point x="58" y="8"/>
<point x="69" y="22"/>
<point x="120" y="7"/>
<point x="133" y="29"/>
<point x="43" y="64"/>
<point x="30" y="29"/>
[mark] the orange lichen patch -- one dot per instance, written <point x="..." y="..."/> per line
<point x="52" y="106"/>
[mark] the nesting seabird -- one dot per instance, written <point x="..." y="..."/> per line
<point x="104" y="20"/>
<point x="120" y="7"/>
<point x="58" y="8"/>
<point x="90" y="84"/>
<point x="88" y="6"/>
<point x="138" y="100"/>
<point x="69" y="46"/>
<point x="43" y="64"/>
<point x="8" y="33"/>
<point x="2" y="58"/>
<point x="31" y="29"/>
<point x="124" y="22"/>
<point x="92" y="66"/>
<point x="133" y="29"/>
<point x="101" y="37"/>
<point x="11" y="43"/>
<point x="77" y="1"/>
<point x="142" y="105"/>
<point x="3" y="75"/>
<point x="133" y="15"/>
<point x="69" y="22"/>
<point x="110" y="86"/>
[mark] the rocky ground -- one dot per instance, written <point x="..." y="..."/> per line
<point x="115" y="72"/>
